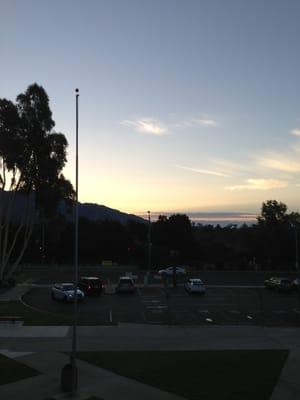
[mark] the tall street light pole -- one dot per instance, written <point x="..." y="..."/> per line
<point x="149" y="240"/>
<point x="296" y="248"/>
<point x="75" y="317"/>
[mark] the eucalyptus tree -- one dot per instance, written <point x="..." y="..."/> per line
<point x="273" y="213"/>
<point x="277" y="234"/>
<point x="32" y="156"/>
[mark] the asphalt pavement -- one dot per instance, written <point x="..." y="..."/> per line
<point x="221" y="305"/>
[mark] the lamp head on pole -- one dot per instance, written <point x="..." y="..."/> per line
<point x="77" y="92"/>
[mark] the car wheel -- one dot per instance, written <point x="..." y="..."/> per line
<point x="52" y="296"/>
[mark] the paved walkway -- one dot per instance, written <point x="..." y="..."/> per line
<point x="93" y="381"/>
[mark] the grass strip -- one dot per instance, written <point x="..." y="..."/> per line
<point x="209" y="374"/>
<point x="13" y="371"/>
<point x="31" y="316"/>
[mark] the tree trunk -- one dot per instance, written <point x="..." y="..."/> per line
<point x="24" y="227"/>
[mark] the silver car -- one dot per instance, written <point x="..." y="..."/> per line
<point x="296" y="283"/>
<point x="66" y="292"/>
<point x="195" y="285"/>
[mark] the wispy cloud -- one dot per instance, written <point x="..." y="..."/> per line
<point x="280" y="164"/>
<point x="205" y="122"/>
<point x="260" y="184"/>
<point x="147" y="125"/>
<point x="296" y="148"/>
<point x="229" y="167"/>
<point x="159" y="128"/>
<point x="295" y="132"/>
<point x="203" y="171"/>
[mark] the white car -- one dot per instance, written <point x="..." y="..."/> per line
<point x="169" y="271"/>
<point x="66" y="292"/>
<point x="194" y="285"/>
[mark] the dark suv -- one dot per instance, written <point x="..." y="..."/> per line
<point x="90" y="285"/>
<point x="125" y="285"/>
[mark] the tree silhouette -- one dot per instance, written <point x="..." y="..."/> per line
<point x="172" y="238"/>
<point x="32" y="157"/>
<point x="272" y="212"/>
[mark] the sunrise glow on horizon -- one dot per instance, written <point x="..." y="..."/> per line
<point x="184" y="106"/>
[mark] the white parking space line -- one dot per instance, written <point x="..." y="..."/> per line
<point x="209" y="304"/>
<point x="156" y="307"/>
<point x="150" y="301"/>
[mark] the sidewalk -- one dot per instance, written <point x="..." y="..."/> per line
<point x="93" y="381"/>
<point x="106" y="385"/>
<point x="288" y="387"/>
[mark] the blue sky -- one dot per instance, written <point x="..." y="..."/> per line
<point x="184" y="105"/>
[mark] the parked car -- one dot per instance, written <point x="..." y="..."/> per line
<point x="280" y="284"/>
<point x="195" y="285"/>
<point x="125" y="285"/>
<point x="66" y="292"/>
<point x="90" y="285"/>
<point x="296" y="283"/>
<point x="270" y="283"/>
<point x="169" y="271"/>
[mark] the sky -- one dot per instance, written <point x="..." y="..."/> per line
<point x="184" y="105"/>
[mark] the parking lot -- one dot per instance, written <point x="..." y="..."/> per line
<point x="155" y="305"/>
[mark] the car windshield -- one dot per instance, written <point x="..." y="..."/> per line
<point x="68" y="287"/>
<point x="126" y="281"/>
<point x="93" y="282"/>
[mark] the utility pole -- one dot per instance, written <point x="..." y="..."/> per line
<point x="75" y="317"/>
<point x="296" y="248"/>
<point x="149" y="241"/>
<point x="69" y="378"/>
